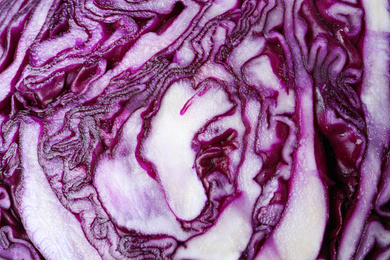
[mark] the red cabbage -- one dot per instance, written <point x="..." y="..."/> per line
<point x="194" y="129"/>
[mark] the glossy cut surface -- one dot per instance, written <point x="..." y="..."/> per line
<point x="194" y="129"/>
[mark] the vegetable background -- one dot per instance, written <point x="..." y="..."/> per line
<point x="194" y="129"/>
